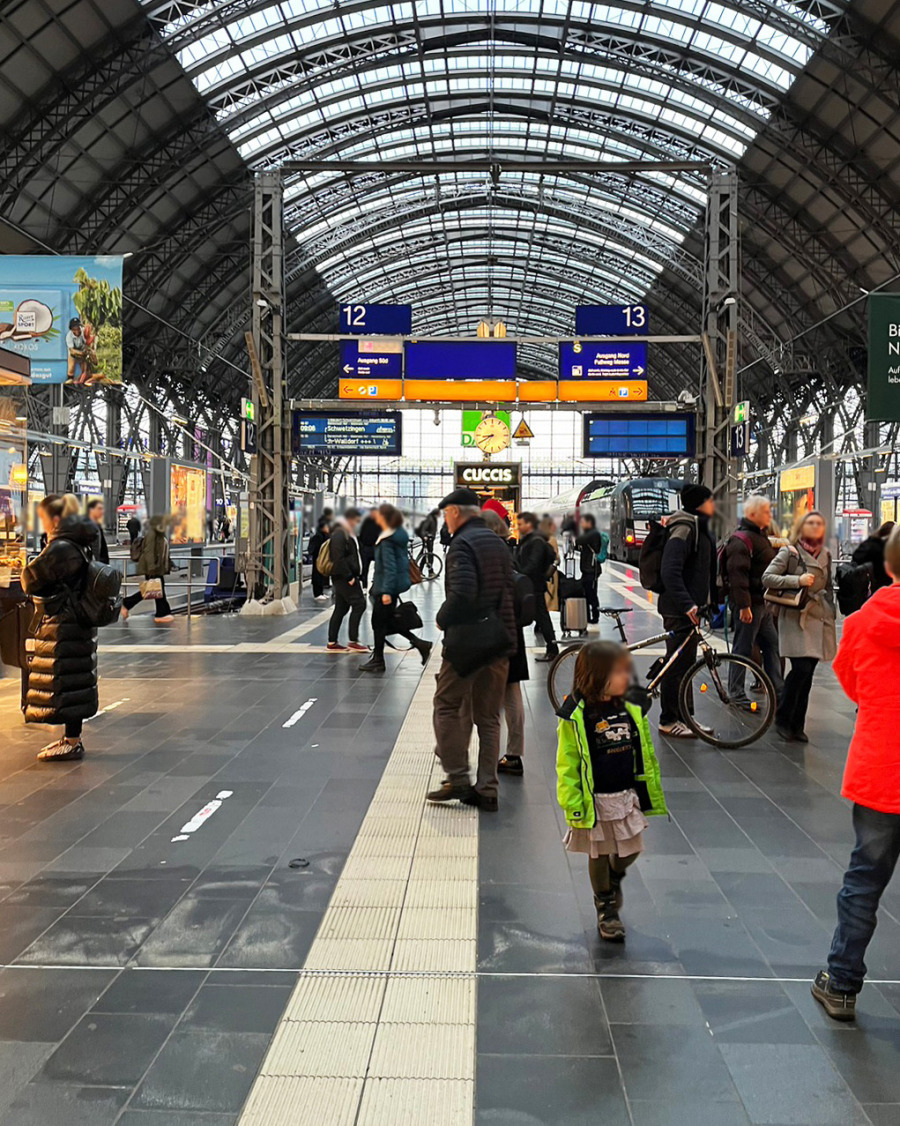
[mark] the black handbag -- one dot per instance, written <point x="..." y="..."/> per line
<point x="17" y="622"/>
<point x="405" y="618"/>
<point x="469" y="646"/>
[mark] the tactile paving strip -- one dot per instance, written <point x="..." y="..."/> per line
<point x="357" y="1046"/>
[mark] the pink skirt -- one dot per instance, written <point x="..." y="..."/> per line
<point x="618" y="829"/>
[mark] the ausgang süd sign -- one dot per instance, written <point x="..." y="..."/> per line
<point x="883" y="403"/>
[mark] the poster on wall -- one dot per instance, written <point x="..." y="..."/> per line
<point x="64" y="313"/>
<point x="187" y="493"/>
<point x="797" y="493"/>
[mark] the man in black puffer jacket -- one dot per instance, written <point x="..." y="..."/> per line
<point x="478" y="582"/>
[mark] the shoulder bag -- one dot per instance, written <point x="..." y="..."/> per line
<point x="470" y="646"/>
<point x="790" y="599"/>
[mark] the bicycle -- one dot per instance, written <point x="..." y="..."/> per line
<point x="430" y="563"/>
<point x="703" y="695"/>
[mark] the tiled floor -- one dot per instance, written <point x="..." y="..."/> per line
<point x="143" y="977"/>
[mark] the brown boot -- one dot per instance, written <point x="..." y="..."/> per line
<point x="609" y="924"/>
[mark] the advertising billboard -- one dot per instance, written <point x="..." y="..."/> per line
<point x="375" y="434"/>
<point x="64" y="313"/>
<point x="187" y="493"/>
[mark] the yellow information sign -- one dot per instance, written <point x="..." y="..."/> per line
<point x="523" y="430"/>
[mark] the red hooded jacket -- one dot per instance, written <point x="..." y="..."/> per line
<point x="868" y="667"/>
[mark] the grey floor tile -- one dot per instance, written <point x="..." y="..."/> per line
<point x="883" y="1114"/>
<point x="237" y="1008"/>
<point x="174" y="1118"/>
<point x="868" y="1056"/>
<point x="19" y="1063"/>
<point x="675" y="1062"/>
<point x="548" y="1090"/>
<point x="690" y="1112"/>
<point x="150" y="991"/>
<point x="549" y="1016"/>
<point x="76" y="941"/>
<point x="651" y="1000"/>
<point x="45" y="1103"/>
<point x="751" y="1013"/>
<point x="203" y="1069"/>
<point x="37" y="1006"/>
<point x="108" y="1050"/>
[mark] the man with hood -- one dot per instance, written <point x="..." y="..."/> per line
<point x="868" y="667"/>
<point x="688" y="573"/>
<point x="346" y="577"/>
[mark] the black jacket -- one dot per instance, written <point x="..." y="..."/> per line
<point x="589" y="543"/>
<point x="745" y="564"/>
<point x="478" y="578"/>
<point x="101" y="551"/>
<point x="345" y="559"/>
<point x="871" y="550"/>
<point x="62" y="670"/>
<point x="428" y="526"/>
<point x="534" y="557"/>
<point x="688" y="569"/>
<point x="369" y="533"/>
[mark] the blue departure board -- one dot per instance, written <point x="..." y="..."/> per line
<point x="639" y="435"/>
<point x="612" y="320"/>
<point x="460" y="359"/>
<point x="363" y="319"/>
<point x="372" y="433"/>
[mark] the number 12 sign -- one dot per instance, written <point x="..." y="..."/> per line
<point x="378" y="320"/>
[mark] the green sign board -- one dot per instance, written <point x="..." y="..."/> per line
<point x="470" y="420"/>
<point x="883" y="403"/>
<point x="741" y="413"/>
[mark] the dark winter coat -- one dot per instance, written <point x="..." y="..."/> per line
<point x="345" y="559"/>
<point x="534" y="558"/>
<point x="155" y="562"/>
<point x="688" y="569"/>
<point x="588" y="544"/>
<point x="369" y="532"/>
<point x="62" y="669"/>
<point x="746" y="557"/>
<point x="391" y="564"/>
<point x="101" y="551"/>
<point x="871" y="550"/>
<point x="133" y="527"/>
<point x="479" y="578"/>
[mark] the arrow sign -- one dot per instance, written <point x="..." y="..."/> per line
<point x="620" y="360"/>
<point x="367" y="359"/>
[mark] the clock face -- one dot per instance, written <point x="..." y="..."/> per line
<point x="492" y="435"/>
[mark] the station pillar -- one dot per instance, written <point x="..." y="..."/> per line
<point x="267" y="551"/>
<point x="721" y="313"/>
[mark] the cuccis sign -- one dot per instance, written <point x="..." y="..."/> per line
<point x="487" y="475"/>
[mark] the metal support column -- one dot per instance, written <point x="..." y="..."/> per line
<point x="720" y="327"/>
<point x="58" y="465"/>
<point x="267" y="555"/>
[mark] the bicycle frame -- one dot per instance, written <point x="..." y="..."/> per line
<point x="695" y="632"/>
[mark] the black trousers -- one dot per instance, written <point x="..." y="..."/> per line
<point x="163" y="609"/>
<point x="383" y="624"/>
<point x="347" y="599"/>
<point x="318" y="582"/>
<point x="791" y="712"/>
<point x="74" y="728"/>
<point x="367" y="558"/>
<point x="589" y="584"/>
<point x="542" y="620"/>
<point x="680" y="626"/>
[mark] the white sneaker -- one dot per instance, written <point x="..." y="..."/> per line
<point x="676" y="730"/>
<point x="164" y="621"/>
<point x="321" y="598"/>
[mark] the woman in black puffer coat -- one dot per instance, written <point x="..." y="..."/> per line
<point x="62" y="669"/>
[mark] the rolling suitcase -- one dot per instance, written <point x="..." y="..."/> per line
<point x="573" y="617"/>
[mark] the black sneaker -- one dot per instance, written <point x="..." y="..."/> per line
<point x="610" y="926"/>
<point x="374" y="664"/>
<point x="482" y="802"/>
<point x="838" y="1004"/>
<point x="550" y="655"/>
<point x="62" y="751"/>
<point x="451" y="791"/>
<point x="511" y="764"/>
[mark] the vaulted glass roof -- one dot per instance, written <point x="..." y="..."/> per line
<point x="499" y="80"/>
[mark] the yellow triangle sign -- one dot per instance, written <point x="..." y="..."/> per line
<point x="523" y="430"/>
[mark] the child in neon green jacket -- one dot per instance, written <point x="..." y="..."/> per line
<point x="607" y="775"/>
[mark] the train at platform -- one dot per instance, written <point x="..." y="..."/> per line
<point x="622" y="509"/>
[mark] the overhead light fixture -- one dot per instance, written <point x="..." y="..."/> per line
<point x="730" y="300"/>
<point x="262" y="302"/>
<point x="178" y="420"/>
<point x="128" y="254"/>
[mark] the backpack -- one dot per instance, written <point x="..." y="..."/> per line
<point x="97" y="604"/>
<point x="724" y="590"/>
<point x="324" y="564"/>
<point x="854" y="585"/>
<point x="603" y="554"/>
<point x="523" y="599"/>
<point x="135" y="549"/>
<point x="650" y="559"/>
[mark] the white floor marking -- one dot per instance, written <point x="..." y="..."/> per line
<point x="109" y="708"/>
<point x="202" y="816"/>
<point x="299" y="713"/>
<point x="380" y="1028"/>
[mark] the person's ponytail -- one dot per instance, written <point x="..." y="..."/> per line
<point x="59" y="507"/>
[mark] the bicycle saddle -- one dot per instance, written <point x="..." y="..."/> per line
<point x="611" y="611"/>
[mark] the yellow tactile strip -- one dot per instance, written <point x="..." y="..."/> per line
<point x="359" y="1043"/>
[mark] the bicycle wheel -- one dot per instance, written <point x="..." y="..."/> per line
<point x="561" y="675"/>
<point x="431" y="566"/>
<point x="716" y="715"/>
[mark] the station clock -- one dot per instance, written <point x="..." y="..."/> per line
<point x="492" y="435"/>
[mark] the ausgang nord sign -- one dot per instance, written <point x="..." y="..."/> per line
<point x="883" y="403"/>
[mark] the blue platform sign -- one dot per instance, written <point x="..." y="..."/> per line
<point x="611" y="320"/>
<point x="460" y="359"/>
<point x="740" y="439"/>
<point x="372" y="433"/>
<point x="363" y="319"/>
<point x="368" y="359"/>
<point x="595" y="360"/>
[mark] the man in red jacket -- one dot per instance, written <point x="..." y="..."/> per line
<point x="868" y="667"/>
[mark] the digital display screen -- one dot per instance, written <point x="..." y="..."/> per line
<point x="384" y="320"/>
<point x="460" y="359"/>
<point x="639" y="435"/>
<point x="373" y="433"/>
<point x="602" y="361"/>
<point x="611" y="320"/>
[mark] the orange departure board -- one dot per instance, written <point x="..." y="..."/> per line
<point x="602" y="390"/>
<point x="460" y="391"/>
<point x="376" y="389"/>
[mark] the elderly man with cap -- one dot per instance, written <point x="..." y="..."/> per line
<point x="688" y="573"/>
<point x="479" y="623"/>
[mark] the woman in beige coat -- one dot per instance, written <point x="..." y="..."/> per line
<point x="806" y="635"/>
<point x="547" y="528"/>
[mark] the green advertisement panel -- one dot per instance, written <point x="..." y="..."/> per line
<point x="883" y="403"/>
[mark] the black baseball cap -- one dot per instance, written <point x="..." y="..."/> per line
<point x="463" y="498"/>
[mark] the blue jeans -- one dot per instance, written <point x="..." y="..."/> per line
<point x="763" y="632"/>
<point x="871" y="867"/>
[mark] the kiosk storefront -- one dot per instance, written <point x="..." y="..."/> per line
<point x="500" y="480"/>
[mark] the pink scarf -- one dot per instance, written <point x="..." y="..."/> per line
<point x="813" y="548"/>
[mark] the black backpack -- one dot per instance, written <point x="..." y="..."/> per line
<point x="854" y="585"/>
<point x="650" y="560"/>
<point x="524" y="599"/>
<point x="97" y="604"/>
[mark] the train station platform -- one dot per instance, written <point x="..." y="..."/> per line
<point x="239" y="909"/>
